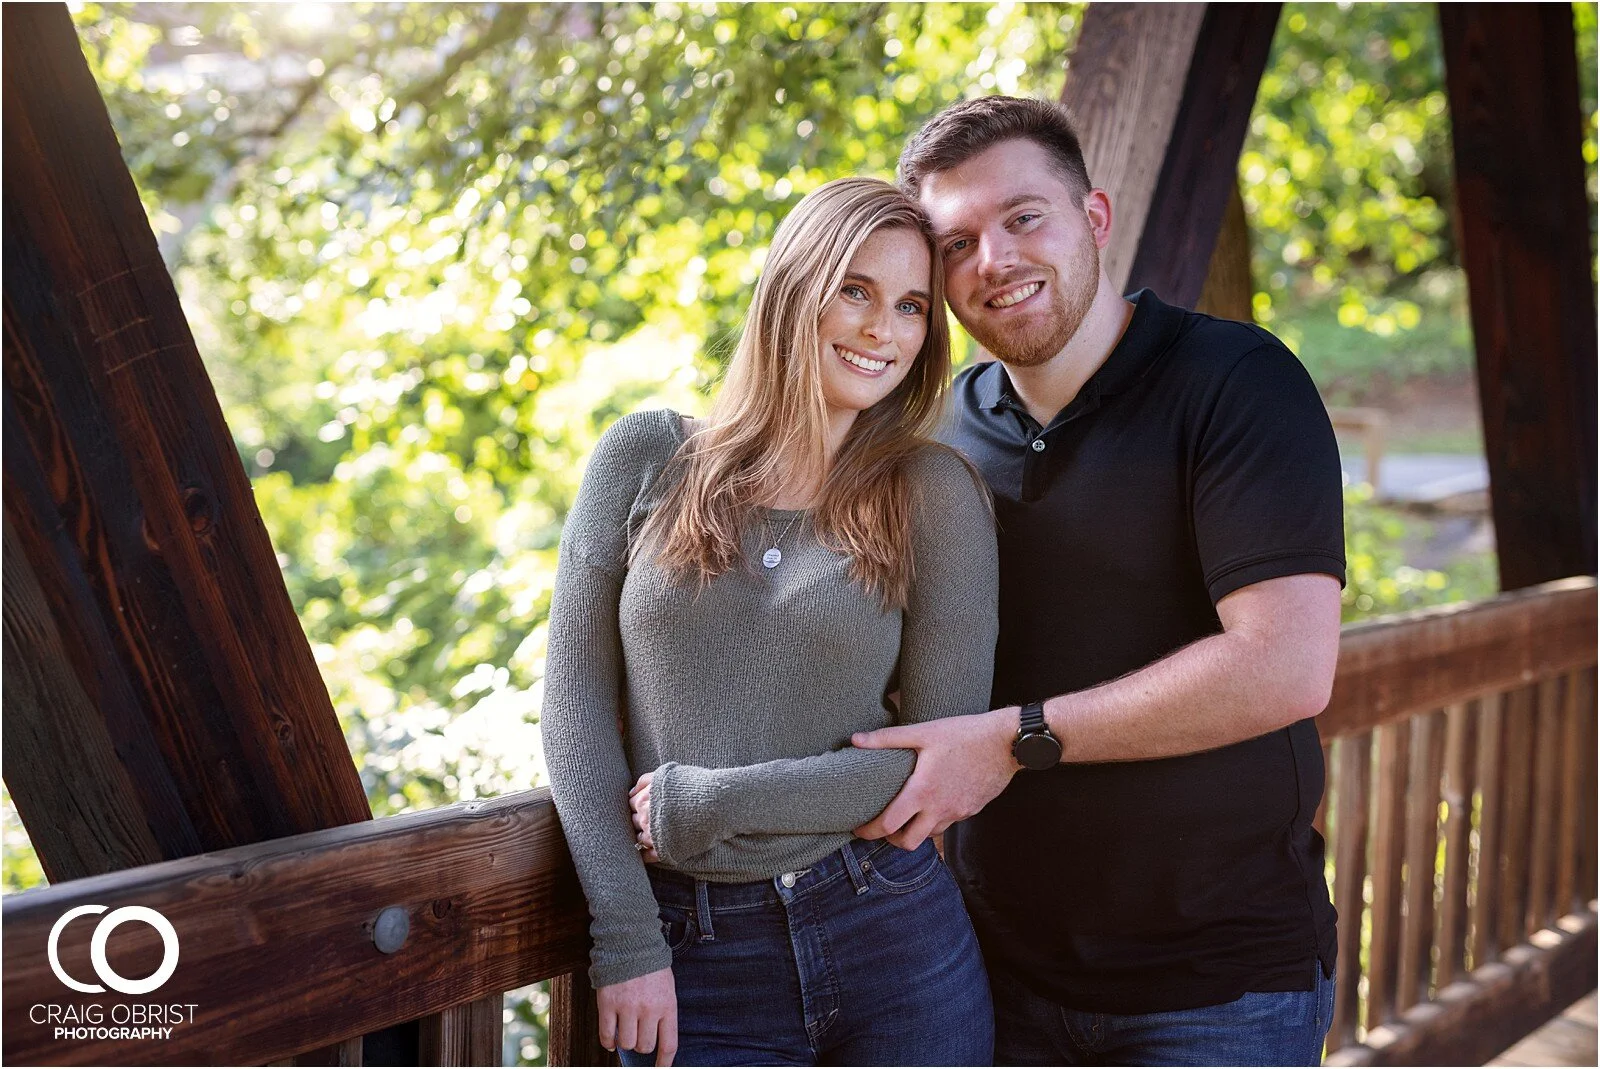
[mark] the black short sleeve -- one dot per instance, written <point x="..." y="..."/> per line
<point x="1268" y="493"/>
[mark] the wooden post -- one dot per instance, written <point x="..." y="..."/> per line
<point x="575" y="1023"/>
<point x="1511" y="72"/>
<point x="1162" y="95"/>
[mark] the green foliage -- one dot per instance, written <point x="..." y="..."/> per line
<point x="19" y="865"/>
<point x="1378" y="581"/>
<point x="1351" y="365"/>
<point x="1347" y="172"/>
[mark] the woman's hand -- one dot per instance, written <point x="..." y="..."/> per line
<point x="641" y="1015"/>
<point x="639" y="800"/>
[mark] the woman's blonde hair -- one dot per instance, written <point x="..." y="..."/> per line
<point x="771" y="413"/>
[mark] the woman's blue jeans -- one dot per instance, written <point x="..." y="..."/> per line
<point x="866" y="958"/>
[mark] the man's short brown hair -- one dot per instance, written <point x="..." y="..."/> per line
<point x="969" y="127"/>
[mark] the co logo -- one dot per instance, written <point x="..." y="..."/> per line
<point x="97" y="949"/>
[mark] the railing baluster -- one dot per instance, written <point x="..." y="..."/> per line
<point x="575" y="1024"/>
<point x="1354" y="762"/>
<point x="1588" y="793"/>
<point x="469" y="1034"/>
<point x="1546" y="804"/>
<point x="1320" y="821"/>
<point x="1517" y="761"/>
<point x="1388" y="853"/>
<point x="1485" y="939"/>
<point x="1572" y="762"/>
<point x="1421" y="854"/>
<point x="1459" y="746"/>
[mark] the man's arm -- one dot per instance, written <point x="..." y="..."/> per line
<point x="1272" y="665"/>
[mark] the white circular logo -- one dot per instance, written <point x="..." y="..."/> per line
<point x="97" y="949"/>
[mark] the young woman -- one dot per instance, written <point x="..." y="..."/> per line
<point x="735" y="598"/>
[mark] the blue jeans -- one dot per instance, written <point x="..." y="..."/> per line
<point x="865" y="958"/>
<point x="1260" y="1028"/>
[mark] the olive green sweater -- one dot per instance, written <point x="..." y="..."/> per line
<point x="742" y="696"/>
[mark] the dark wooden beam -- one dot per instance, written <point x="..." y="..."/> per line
<point x="1472" y="1020"/>
<point x="277" y="950"/>
<point x="163" y="699"/>
<point x="1229" y="291"/>
<point x="1162" y="94"/>
<point x="1427" y="659"/>
<point x="1511" y="71"/>
<point x="125" y="494"/>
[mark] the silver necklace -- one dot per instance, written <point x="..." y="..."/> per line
<point x="774" y="556"/>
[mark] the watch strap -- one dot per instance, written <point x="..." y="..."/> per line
<point x="1031" y="719"/>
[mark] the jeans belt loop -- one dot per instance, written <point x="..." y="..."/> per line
<point x="702" y="905"/>
<point x="852" y="865"/>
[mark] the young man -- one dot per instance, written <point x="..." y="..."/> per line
<point x="1136" y="844"/>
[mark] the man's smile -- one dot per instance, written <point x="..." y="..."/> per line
<point x="1014" y="296"/>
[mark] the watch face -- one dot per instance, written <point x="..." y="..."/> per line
<point x="1037" y="752"/>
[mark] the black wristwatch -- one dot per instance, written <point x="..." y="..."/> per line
<point x="1035" y="747"/>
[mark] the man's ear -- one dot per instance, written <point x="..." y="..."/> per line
<point x="1097" y="206"/>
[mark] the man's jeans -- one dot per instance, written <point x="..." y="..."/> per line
<point x="866" y="958"/>
<point x="1261" y="1028"/>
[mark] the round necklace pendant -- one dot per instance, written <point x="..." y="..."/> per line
<point x="772" y="557"/>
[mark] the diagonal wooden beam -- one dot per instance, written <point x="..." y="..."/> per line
<point x="162" y="698"/>
<point x="1162" y="94"/>
<point x="1512" y="75"/>
<point x="125" y="494"/>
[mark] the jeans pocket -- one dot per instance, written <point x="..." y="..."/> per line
<point x="902" y="871"/>
<point x="677" y="928"/>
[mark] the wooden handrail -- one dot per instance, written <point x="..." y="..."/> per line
<point x="277" y="950"/>
<point x="1431" y="658"/>
<point x="278" y="955"/>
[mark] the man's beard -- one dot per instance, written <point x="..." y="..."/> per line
<point x="1039" y="338"/>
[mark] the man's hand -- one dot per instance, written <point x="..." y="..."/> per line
<point x="639" y="802"/>
<point x="641" y="1015"/>
<point x="962" y="763"/>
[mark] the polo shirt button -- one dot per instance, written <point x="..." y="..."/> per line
<point x="787" y="879"/>
<point x="1038" y="445"/>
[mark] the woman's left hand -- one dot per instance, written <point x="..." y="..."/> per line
<point x="639" y="800"/>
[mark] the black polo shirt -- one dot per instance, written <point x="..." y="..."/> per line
<point x="1197" y="460"/>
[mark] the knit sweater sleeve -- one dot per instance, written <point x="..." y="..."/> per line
<point x="580" y="720"/>
<point x="947" y="645"/>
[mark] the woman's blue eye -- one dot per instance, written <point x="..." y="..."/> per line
<point x="852" y="290"/>
<point x="911" y="308"/>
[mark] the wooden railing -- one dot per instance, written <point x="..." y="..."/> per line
<point x="1461" y="817"/>
<point x="1460" y="814"/>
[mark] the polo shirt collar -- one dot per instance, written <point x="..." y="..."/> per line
<point x="1151" y="331"/>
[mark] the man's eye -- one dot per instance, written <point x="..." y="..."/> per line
<point x="958" y="245"/>
<point x="1027" y="217"/>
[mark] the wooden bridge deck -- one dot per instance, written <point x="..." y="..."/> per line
<point x="1567" y="1040"/>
